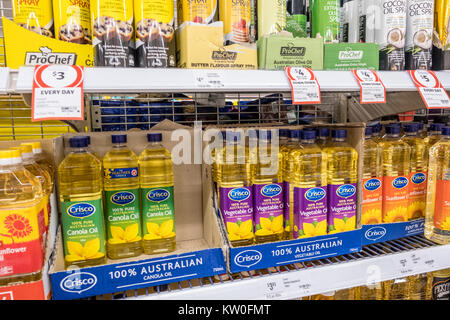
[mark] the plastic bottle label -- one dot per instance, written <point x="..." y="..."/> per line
<point x="83" y="228"/>
<point x="268" y="207"/>
<point x="158" y="213"/>
<point x="236" y="206"/>
<point x="395" y="199"/>
<point x="310" y="212"/>
<point x="440" y="288"/>
<point x="417" y="195"/>
<point x="120" y="173"/>
<point x="342" y="207"/>
<point x="123" y="216"/>
<point x="372" y="204"/>
<point x="442" y="207"/>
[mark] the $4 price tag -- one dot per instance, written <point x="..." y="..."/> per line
<point x="304" y="86"/>
<point x="57" y="93"/>
<point x="430" y="88"/>
<point x="372" y="89"/>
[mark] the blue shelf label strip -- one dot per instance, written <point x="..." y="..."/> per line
<point x="375" y="233"/>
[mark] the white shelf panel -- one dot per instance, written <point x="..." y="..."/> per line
<point x="126" y="80"/>
<point x="4" y="80"/>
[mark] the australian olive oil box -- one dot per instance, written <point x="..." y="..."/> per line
<point x="349" y="56"/>
<point x="282" y="50"/>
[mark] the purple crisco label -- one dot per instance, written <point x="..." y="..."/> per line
<point x="236" y="204"/>
<point x="286" y="203"/>
<point x="310" y="211"/>
<point x="341" y="205"/>
<point x="268" y="201"/>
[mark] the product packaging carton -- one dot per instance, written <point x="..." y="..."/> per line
<point x="350" y="56"/>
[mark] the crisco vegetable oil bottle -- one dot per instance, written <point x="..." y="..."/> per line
<point x="81" y="198"/>
<point x="309" y="179"/>
<point x="396" y="170"/>
<point x="268" y="197"/>
<point x="40" y="158"/>
<point x="372" y="192"/>
<point x="419" y="171"/>
<point x="342" y="178"/>
<point x="122" y="201"/>
<point x="323" y="137"/>
<point x="437" y="220"/>
<point x="434" y="133"/>
<point x="157" y="196"/>
<point x="21" y="221"/>
<point x="235" y="190"/>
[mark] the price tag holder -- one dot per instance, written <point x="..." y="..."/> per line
<point x="57" y="93"/>
<point x="292" y="286"/>
<point x="430" y="88"/>
<point x="208" y="79"/>
<point x="304" y="86"/>
<point x="372" y="88"/>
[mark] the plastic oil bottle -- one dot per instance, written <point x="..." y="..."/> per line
<point x="422" y="132"/>
<point x="419" y="171"/>
<point x="437" y="219"/>
<point x="323" y="137"/>
<point x="372" y="192"/>
<point x="157" y="196"/>
<point x="122" y="200"/>
<point x="397" y="289"/>
<point x="268" y="196"/>
<point x="376" y="132"/>
<point x="40" y="158"/>
<point x="309" y="178"/>
<point x="80" y="180"/>
<point x="21" y="220"/>
<point x="235" y="190"/>
<point x="418" y="284"/>
<point x="396" y="170"/>
<point x="342" y="162"/>
<point x="434" y="133"/>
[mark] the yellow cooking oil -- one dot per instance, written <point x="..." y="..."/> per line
<point x="396" y="171"/>
<point x="235" y="189"/>
<point x="342" y="176"/>
<point x="396" y="289"/>
<point x="157" y="196"/>
<point x="41" y="159"/>
<point x="309" y="181"/>
<point x="21" y="221"/>
<point x="418" y="171"/>
<point x="372" y="175"/>
<point x="437" y="219"/>
<point x="80" y="180"/>
<point x="369" y="292"/>
<point x="122" y="200"/>
<point x="267" y="184"/>
<point x="418" y="285"/>
<point x="434" y="133"/>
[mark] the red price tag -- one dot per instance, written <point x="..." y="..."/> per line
<point x="304" y="86"/>
<point x="430" y="88"/>
<point x="57" y="93"/>
<point x="372" y="88"/>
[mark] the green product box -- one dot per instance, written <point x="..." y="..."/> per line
<point x="278" y="51"/>
<point x="349" y="56"/>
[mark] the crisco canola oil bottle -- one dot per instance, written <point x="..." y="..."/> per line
<point x="122" y="200"/>
<point x="268" y="197"/>
<point x="437" y="220"/>
<point x="396" y="170"/>
<point x="309" y="179"/>
<point x="157" y="196"/>
<point x="434" y="133"/>
<point x="21" y="221"/>
<point x="342" y="178"/>
<point x="235" y="190"/>
<point x="372" y="192"/>
<point x="80" y="180"/>
<point x="419" y="171"/>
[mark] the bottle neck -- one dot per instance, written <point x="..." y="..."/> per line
<point x="367" y="137"/>
<point x="393" y="135"/>
<point x="307" y="141"/>
<point x="411" y="134"/>
<point x="435" y="133"/>
<point x="120" y="145"/>
<point x="339" y="139"/>
<point x="79" y="150"/>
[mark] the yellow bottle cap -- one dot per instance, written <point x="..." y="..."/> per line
<point x="8" y="154"/>
<point x="26" y="148"/>
<point x="34" y="145"/>
<point x="18" y="149"/>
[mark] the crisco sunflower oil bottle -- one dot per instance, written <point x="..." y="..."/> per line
<point x="235" y="190"/>
<point x="81" y="200"/>
<point x="437" y="220"/>
<point x="439" y="285"/>
<point x="434" y="133"/>
<point x="419" y="172"/>
<point x="417" y="286"/>
<point x="372" y="192"/>
<point x="40" y="158"/>
<point x="342" y="178"/>
<point x="21" y="221"/>
<point x="157" y="196"/>
<point x="397" y="289"/>
<point x="323" y="137"/>
<point x="309" y="178"/>
<point x="122" y="200"/>
<point x="396" y="170"/>
<point x="268" y="197"/>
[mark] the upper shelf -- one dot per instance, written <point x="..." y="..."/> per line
<point x="139" y="80"/>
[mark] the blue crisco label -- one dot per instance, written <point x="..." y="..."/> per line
<point x="81" y="210"/>
<point x="158" y="195"/>
<point x="271" y="190"/>
<point x="122" y="198"/>
<point x="120" y="173"/>
<point x="346" y="191"/>
<point x="372" y="184"/>
<point x="239" y="194"/>
<point x="400" y="182"/>
<point x="315" y="194"/>
<point x="418" y="178"/>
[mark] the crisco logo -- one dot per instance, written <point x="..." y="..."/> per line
<point x="346" y="191"/>
<point x="315" y="194"/>
<point x="78" y="282"/>
<point x="372" y="184"/>
<point x="81" y="210"/>
<point x="158" y="195"/>
<point x="400" y="182"/>
<point x="375" y="233"/>
<point x="271" y="190"/>
<point x="239" y="194"/>
<point x="247" y="258"/>
<point x="418" y="178"/>
<point x="122" y="198"/>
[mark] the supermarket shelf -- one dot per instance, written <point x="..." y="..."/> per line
<point x="375" y="263"/>
<point x="126" y="80"/>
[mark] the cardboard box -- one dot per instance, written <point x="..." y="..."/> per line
<point x="199" y="251"/>
<point x="350" y="56"/>
<point x="200" y="46"/>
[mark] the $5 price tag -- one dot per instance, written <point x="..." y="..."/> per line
<point x="430" y="88"/>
